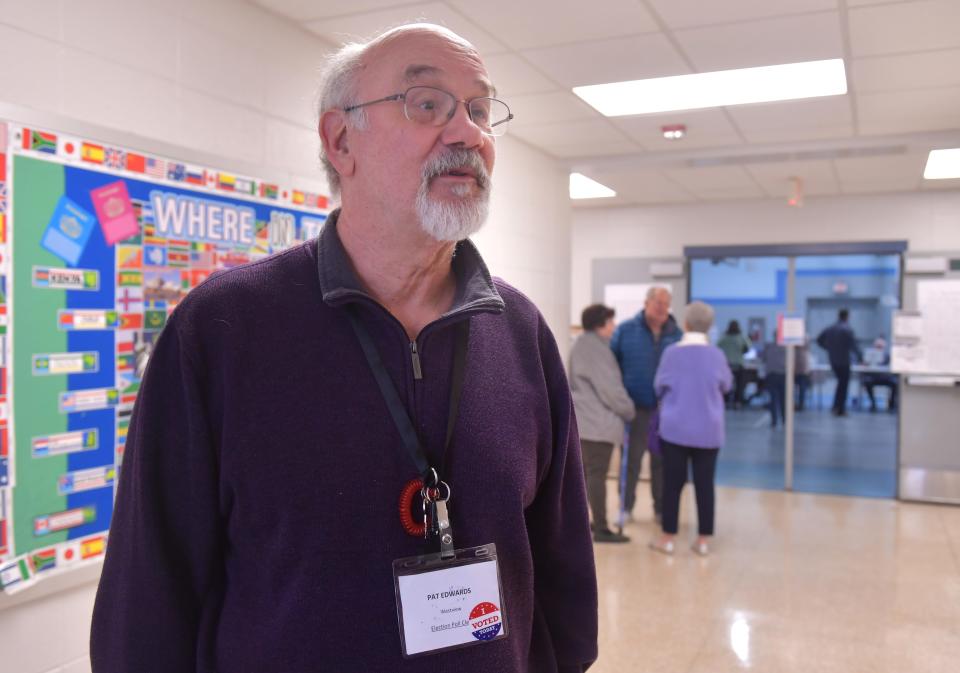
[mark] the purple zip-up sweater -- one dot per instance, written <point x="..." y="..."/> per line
<point x="256" y="518"/>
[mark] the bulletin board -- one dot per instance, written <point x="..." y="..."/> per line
<point x="927" y="340"/>
<point x="98" y="245"/>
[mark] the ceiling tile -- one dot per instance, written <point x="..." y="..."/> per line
<point x="587" y="131"/>
<point x="925" y="70"/>
<point x="688" y="13"/>
<point x="862" y="3"/>
<point x="611" y="60"/>
<point x="717" y="178"/>
<point x="794" y="121"/>
<point x="909" y="111"/>
<point x="798" y="134"/>
<point x="817" y="177"/>
<point x="808" y="37"/>
<point x="615" y="202"/>
<point x="705" y="128"/>
<point x="582" y="150"/>
<point x="911" y="26"/>
<point x="587" y="138"/>
<point x="523" y="25"/>
<point x="645" y="186"/>
<point x="512" y="75"/>
<point x="880" y="186"/>
<point x="305" y="10"/>
<point x="875" y="170"/>
<point x="545" y="108"/>
<point x="353" y="26"/>
<point x="733" y="194"/>
<point x="938" y="185"/>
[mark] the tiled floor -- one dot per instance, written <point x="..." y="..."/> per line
<point x="796" y="582"/>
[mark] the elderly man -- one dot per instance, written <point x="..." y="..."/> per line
<point x="638" y="345"/>
<point x="361" y="449"/>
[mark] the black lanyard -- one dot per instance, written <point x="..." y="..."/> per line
<point x="409" y="436"/>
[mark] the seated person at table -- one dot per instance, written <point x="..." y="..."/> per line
<point x="878" y="356"/>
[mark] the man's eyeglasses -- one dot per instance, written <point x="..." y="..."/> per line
<point x="435" y="107"/>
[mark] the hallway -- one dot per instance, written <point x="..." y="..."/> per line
<point x="796" y="582"/>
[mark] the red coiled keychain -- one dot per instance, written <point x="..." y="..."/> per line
<point x="407" y="495"/>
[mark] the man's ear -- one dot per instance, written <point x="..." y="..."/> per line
<point x="333" y="134"/>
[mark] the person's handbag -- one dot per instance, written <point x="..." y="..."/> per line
<point x="653" y="432"/>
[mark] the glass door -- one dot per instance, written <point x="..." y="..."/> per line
<point x="748" y="294"/>
<point x="820" y="416"/>
<point x="845" y="426"/>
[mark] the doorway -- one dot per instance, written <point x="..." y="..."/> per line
<point x="808" y="448"/>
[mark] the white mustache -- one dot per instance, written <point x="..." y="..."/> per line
<point x="457" y="158"/>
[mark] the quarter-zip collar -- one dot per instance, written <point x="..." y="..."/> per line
<point x="339" y="283"/>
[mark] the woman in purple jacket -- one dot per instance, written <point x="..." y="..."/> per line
<point x="691" y="381"/>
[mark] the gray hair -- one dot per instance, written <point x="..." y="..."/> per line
<point x="337" y="90"/>
<point x="698" y="317"/>
<point x="654" y="289"/>
<point x="339" y="76"/>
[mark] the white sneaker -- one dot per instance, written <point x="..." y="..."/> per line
<point x="700" y="548"/>
<point x="662" y="547"/>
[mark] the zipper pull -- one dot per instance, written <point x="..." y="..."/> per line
<point x="417" y="373"/>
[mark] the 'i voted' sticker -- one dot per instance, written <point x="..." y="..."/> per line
<point x="485" y="621"/>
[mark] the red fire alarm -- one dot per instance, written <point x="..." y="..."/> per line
<point x="674" y="131"/>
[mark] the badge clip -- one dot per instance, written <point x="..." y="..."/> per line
<point x="437" y="517"/>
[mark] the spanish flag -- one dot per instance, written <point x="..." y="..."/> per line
<point x="92" y="153"/>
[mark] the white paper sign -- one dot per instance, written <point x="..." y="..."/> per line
<point x="908" y="357"/>
<point x="939" y="304"/>
<point x="908" y="325"/>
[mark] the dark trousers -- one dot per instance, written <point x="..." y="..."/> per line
<point x="871" y="381"/>
<point x="676" y="458"/>
<point x="803" y="383"/>
<point x="842" y="372"/>
<point x="776" y="386"/>
<point x="636" y="447"/>
<point x="739" y="383"/>
<point x="596" y="462"/>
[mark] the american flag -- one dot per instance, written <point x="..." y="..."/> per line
<point x="115" y="158"/>
<point x="156" y="168"/>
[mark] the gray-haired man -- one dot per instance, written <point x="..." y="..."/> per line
<point x="297" y="412"/>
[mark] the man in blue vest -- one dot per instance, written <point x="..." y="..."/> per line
<point x="638" y="344"/>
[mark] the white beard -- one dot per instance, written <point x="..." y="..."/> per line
<point x="452" y="220"/>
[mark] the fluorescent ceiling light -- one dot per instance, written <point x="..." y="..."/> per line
<point x="716" y="89"/>
<point x="582" y="187"/>
<point x="941" y="165"/>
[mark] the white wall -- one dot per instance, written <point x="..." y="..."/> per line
<point x="527" y="240"/>
<point x="929" y="221"/>
<point x="224" y="78"/>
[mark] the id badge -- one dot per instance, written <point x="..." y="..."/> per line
<point x="447" y="604"/>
